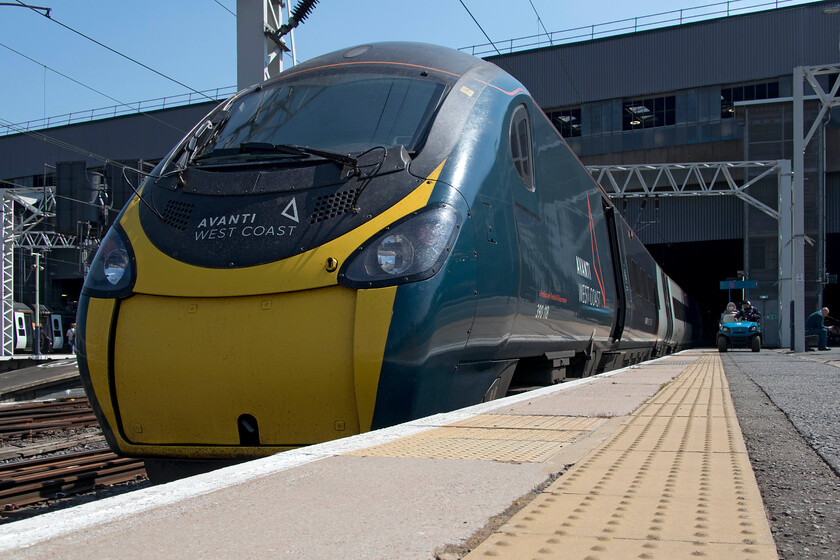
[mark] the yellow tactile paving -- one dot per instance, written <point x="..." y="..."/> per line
<point x="448" y="432"/>
<point x="531" y="422"/>
<point x="674" y="481"/>
<point x="488" y="437"/>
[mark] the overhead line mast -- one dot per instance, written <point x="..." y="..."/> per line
<point x="260" y="37"/>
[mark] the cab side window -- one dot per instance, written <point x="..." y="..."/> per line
<point x="520" y="146"/>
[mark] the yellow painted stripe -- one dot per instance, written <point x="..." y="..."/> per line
<point x="97" y="326"/>
<point x="370" y="333"/>
<point x="160" y="274"/>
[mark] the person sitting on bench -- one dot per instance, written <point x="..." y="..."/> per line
<point x="815" y="324"/>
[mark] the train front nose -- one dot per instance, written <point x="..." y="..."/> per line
<point x="279" y="370"/>
<point x="203" y="349"/>
<point x="217" y="371"/>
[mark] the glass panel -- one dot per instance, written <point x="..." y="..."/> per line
<point x="346" y="111"/>
<point x="648" y="113"/>
<point x="520" y="142"/>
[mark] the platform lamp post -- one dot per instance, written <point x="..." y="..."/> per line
<point x="36" y="344"/>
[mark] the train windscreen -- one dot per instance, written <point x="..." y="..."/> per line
<point x="347" y="112"/>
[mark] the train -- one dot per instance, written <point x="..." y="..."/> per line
<point x="379" y="234"/>
<point x="51" y="333"/>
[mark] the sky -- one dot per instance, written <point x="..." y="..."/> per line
<point x="55" y="71"/>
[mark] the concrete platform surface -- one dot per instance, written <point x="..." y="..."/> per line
<point x="410" y="490"/>
<point x="27" y="381"/>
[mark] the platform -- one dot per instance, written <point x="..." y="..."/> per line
<point x="44" y="376"/>
<point x="644" y="462"/>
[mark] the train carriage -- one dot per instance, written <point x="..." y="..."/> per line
<point x="376" y="235"/>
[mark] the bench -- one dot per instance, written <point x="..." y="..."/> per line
<point x="811" y="340"/>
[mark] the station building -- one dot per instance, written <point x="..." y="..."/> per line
<point x="715" y="90"/>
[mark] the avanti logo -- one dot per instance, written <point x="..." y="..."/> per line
<point x="227" y="220"/>
<point x="290" y="211"/>
<point x="245" y="224"/>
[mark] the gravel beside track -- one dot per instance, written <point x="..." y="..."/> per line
<point x="788" y="410"/>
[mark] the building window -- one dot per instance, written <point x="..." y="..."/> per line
<point x="650" y="112"/>
<point x="566" y="121"/>
<point x="520" y="145"/>
<point x="729" y="96"/>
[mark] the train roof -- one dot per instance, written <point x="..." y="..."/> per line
<point x="420" y="54"/>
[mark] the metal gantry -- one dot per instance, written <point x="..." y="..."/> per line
<point x="801" y="139"/>
<point x="24" y="212"/>
<point x="716" y="179"/>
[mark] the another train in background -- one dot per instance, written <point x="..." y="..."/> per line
<point x="52" y="330"/>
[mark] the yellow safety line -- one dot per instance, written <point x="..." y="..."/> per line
<point x="674" y="481"/>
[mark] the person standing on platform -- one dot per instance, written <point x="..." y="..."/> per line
<point x="815" y="324"/>
<point x="71" y="337"/>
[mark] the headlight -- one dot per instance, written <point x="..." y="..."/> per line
<point x="753" y="328"/>
<point x="409" y="250"/>
<point x="726" y="329"/>
<point x="395" y="254"/>
<point x="112" y="271"/>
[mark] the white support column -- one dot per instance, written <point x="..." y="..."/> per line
<point x="798" y="202"/>
<point x="7" y="297"/>
<point x="34" y="205"/>
<point x="257" y="56"/>
<point x="785" y="252"/>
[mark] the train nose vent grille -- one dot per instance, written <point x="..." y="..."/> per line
<point x="333" y="205"/>
<point x="177" y="214"/>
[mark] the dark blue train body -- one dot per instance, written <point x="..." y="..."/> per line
<point x="376" y="235"/>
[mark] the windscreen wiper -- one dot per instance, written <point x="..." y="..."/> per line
<point x="302" y="151"/>
<point x="202" y="136"/>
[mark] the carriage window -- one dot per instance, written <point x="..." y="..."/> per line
<point x="520" y="146"/>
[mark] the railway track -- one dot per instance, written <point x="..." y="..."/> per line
<point x="30" y="419"/>
<point x="46" y="431"/>
<point x="35" y="480"/>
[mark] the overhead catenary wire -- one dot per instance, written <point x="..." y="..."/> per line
<point x="225" y="7"/>
<point x="22" y="5"/>
<point x="122" y="103"/>
<point x="562" y="62"/>
<point x="65" y="145"/>
<point x="556" y="52"/>
<point x="118" y="53"/>
<point x="539" y="20"/>
<point x="92" y="155"/>
<point x="479" y="26"/>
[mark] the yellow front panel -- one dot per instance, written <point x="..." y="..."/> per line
<point x="187" y="368"/>
<point x="97" y="325"/>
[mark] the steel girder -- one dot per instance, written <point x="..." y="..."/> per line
<point x="716" y="179"/>
<point x="22" y="230"/>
